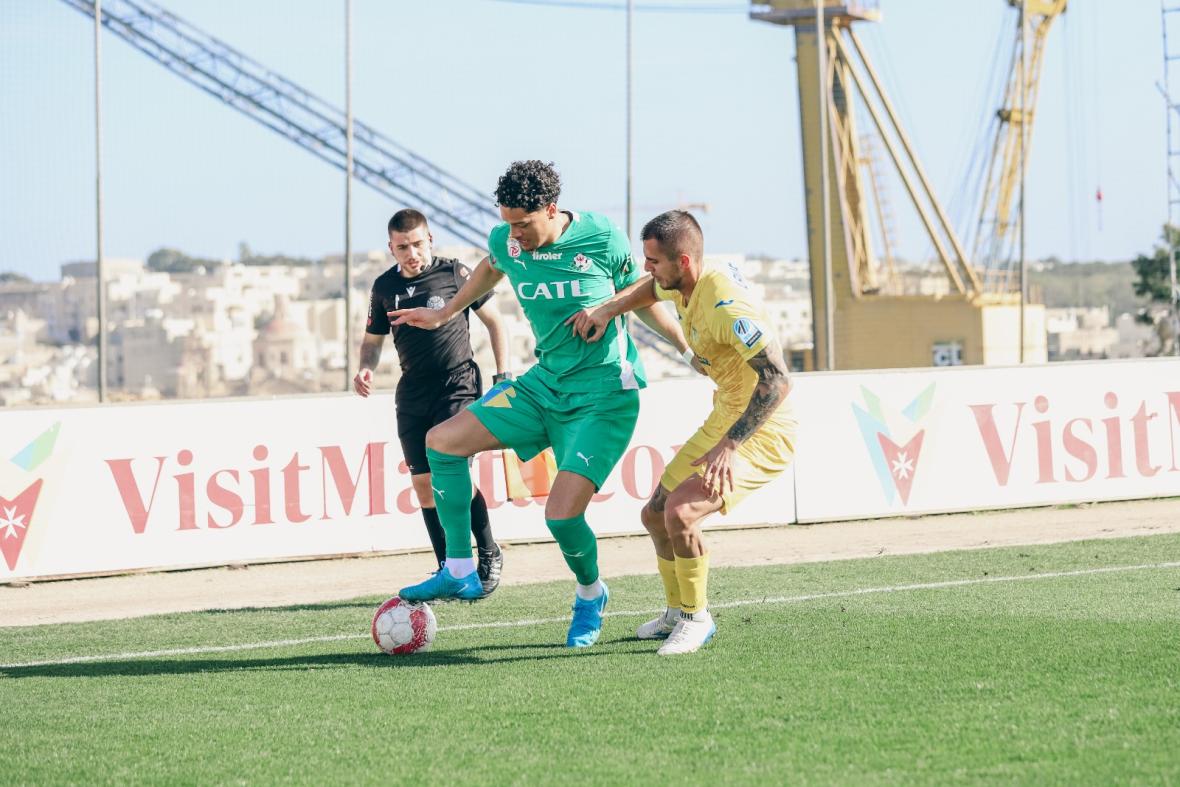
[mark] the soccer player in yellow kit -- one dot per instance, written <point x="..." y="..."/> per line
<point x="746" y="441"/>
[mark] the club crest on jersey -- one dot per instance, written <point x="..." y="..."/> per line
<point x="747" y="331"/>
<point x="513" y="248"/>
<point x="410" y="291"/>
<point x="434" y="302"/>
<point x="582" y="263"/>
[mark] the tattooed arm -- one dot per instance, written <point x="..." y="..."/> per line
<point x="771" y="389"/>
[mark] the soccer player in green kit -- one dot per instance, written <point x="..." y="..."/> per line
<point x="581" y="398"/>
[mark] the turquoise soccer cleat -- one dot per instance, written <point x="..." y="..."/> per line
<point x="442" y="586"/>
<point x="586" y="624"/>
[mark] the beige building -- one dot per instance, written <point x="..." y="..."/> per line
<point x="285" y="349"/>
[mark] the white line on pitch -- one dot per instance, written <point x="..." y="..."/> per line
<point x="283" y="643"/>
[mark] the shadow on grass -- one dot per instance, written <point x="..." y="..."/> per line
<point x="317" y="607"/>
<point x="485" y="655"/>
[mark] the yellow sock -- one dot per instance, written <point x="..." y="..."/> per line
<point x="692" y="573"/>
<point x="671" y="585"/>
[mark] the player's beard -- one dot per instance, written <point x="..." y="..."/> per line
<point x="673" y="283"/>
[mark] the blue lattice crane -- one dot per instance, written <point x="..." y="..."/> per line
<point x="305" y="119"/>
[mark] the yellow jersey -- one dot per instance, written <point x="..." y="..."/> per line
<point x="726" y="325"/>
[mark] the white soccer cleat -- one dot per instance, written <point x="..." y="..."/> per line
<point x="660" y="627"/>
<point x="690" y="633"/>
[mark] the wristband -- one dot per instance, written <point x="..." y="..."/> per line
<point x="688" y="356"/>
<point x="500" y="377"/>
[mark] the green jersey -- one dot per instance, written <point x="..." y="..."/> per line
<point x="585" y="266"/>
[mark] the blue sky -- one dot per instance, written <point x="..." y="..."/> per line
<point x="474" y="84"/>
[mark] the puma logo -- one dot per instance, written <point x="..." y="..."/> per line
<point x="438" y="493"/>
<point x="585" y="458"/>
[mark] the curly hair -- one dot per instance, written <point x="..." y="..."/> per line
<point x="528" y="185"/>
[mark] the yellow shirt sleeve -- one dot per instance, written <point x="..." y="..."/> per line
<point x="735" y="322"/>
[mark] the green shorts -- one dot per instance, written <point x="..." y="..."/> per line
<point x="589" y="432"/>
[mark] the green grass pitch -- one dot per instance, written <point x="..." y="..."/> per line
<point x="1047" y="664"/>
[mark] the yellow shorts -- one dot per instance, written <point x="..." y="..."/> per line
<point x="761" y="458"/>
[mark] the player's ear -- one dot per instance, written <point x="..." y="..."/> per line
<point x="685" y="262"/>
<point x="551" y="209"/>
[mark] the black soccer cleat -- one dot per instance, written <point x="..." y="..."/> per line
<point x="490" y="566"/>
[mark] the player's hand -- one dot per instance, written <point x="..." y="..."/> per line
<point x="363" y="382"/>
<point x="717" y="475"/>
<point x="590" y="324"/>
<point x="698" y="367"/>
<point x="421" y="317"/>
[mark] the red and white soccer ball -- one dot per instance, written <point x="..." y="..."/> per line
<point x="402" y="627"/>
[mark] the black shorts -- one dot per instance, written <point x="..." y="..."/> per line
<point x="422" y="404"/>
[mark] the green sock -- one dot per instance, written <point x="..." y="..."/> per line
<point x="578" y="547"/>
<point x="450" y="477"/>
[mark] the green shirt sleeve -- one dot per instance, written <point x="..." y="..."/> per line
<point x="497" y="249"/>
<point x="624" y="271"/>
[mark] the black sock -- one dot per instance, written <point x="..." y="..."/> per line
<point x="481" y="526"/>
<point x="438" y="537"/>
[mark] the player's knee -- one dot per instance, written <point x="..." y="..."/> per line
<point x="652" y="520"/>
<point x="437" y="440"/>
<point x="679" y="518"/>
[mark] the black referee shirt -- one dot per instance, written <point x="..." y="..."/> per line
<point x="423" y="353"/>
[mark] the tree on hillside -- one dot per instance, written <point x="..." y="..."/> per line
<point x="1154" y="282"/>
<point x="247" y="257"/>
<point x="11" y="277"/>
<point x="168" y="260"/>
<point x="1086" y="284"/>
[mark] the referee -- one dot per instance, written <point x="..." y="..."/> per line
<point x="439" y="376"/>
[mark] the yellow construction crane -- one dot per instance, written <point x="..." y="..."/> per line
<point x="999" y="223"/>
<point x="873" y="324"/>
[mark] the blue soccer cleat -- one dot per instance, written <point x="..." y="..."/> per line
<point x="442" y="586"/>
<point x="586" y="624"/>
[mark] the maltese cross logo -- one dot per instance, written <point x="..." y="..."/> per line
<point x="14" y="524"/>
<point x="894" y="462"/>
<point x="11" y="521"/>
<point x="903" y="466"/>
<point x="16" y="513"/>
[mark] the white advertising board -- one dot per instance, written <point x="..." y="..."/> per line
<point x="875" y="444"/>
<point x="123" y="487"/>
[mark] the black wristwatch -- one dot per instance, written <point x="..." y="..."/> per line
<point x="500" y="377"/>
